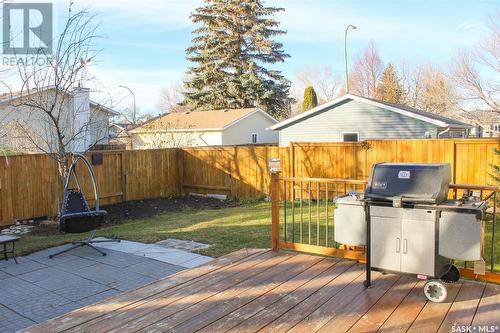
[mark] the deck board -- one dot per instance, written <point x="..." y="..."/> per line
<point x="464" y="307"/>
<point x="187" y="297"/>
<point x="374" y="318"/>
<point x="404" y="315"/>
<point x="269" y="291"/>
<point x="489" y="307"/>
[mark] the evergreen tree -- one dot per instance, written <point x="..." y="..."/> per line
<point x="232" y="44"/>
<point x="389" y="89"/>
<point x="310" y="99"/>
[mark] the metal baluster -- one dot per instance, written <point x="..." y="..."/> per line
<point x="317" y="214"/>
<point x="293" y="211"/>
<point x="310" y="217"/>
<point x="336" y="194"/>
<point x="284" y="209"/>
<point x="492" y="255"/>
<point x="326" y="212"/>
<point x="301" y="221"/>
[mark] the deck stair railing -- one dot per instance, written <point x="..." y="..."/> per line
<point x="302" y="219"/>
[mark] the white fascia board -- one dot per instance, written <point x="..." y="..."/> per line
<point x="104" y="108"/>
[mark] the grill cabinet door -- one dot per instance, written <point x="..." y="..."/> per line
<point x="386" y="243"/>
<point x="418" y="243"/>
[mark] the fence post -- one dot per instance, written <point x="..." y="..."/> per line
<point x="180" y="169"/>
<point x="275" y="210"/>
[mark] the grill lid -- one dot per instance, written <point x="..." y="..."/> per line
<point x="412" y="182"/>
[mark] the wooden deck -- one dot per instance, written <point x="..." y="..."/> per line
<point x="268" y="291"/>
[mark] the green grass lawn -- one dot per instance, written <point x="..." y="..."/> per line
<point x="225" y="229"/>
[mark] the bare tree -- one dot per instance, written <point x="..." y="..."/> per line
<point x="366" y="72"/>
<point x="437" y="94"/>
<point x="411" y="77"/>
<point x="171" y="97"/>
<point x="477" y="74"/>
<point x="325" y="81"/>
<point x="165" y="134"/>
<point x="48" y="93"/>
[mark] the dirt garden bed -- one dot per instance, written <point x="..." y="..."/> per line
<point x="131" y="210"/>
<point x="117" y="213"/>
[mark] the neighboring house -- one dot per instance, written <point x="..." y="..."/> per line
<point x="24" y="127"/>
<point x="489" y="125"/>
<point x="118" y="133"/>
<point x="354" y="118"/>
<point x="205" y="128"/>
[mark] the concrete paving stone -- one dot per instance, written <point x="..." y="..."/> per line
<point x="113" y="277"/>
<point x="60" y="280"/>
<point x="182" y="244"/>
<point x="104" y="274"/>
<point x="11" y="262"/>
<point x="45" y="253"/>
<point x="123" y="246"/>
<point x="76" y="292"/>
<point x="155" y="268"/>
<point x="153" y="248"/>
<point x="119" y="259"/>
<point x="52" y="261"/>
<point x="41" y="274"/>
<point x="43" y="302"/>
<point x="99" y="297"/>
<point x="196" y="262"/>
<point x="45" y="307"/>
<point x="4" y="275"/>
<point x="12" y="289"/>
<point x="174" y="256"/>
<point x="11" y="321"/>
<point x="23" y="267"/>
<point x="76" y="263"/>
<point x="132" y="282"/>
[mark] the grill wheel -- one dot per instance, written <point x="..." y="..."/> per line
<point x="435" y="291"/>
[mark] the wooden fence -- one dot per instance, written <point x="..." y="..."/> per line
<point x="29" y="184"/>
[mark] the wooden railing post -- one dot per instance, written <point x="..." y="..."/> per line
<point x="275" y="210"/>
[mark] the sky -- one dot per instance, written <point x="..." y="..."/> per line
<point x="143" y="42"/>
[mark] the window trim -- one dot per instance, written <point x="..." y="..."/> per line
<point x="357" y="134"/>
<point x="256" y="138"/>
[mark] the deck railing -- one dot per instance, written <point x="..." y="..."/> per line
<point x="302" y="219"/>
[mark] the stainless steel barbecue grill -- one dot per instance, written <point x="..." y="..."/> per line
<point x="410" y="226"/>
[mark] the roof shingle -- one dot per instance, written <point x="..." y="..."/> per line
<point x="215" y="119"/>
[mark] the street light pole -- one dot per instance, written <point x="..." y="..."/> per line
<point x="134" y="120"/>
<point x="345" y="57"/>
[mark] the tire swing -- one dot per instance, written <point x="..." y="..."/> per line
<point x="76" y="216"/>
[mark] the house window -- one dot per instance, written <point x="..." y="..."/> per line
<point x="350" y="137"/>
<point x="254" y="138"/>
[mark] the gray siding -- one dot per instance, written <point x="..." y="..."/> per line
<point x="241" y="132"/>
<point x="369" y="121"/>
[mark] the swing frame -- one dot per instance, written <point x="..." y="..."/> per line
<point x="71" y="221"/>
